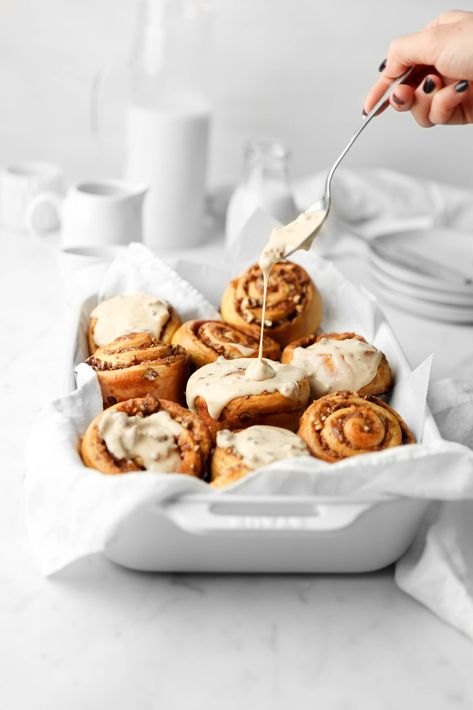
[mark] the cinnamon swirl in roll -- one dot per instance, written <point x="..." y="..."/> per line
<point x="131" y="313"/>
<point x="137" y="364"/>
<point x="345" y="424"/>
<point x="233" y="394"/>
<point x="146" y="434"/>
<point x="239" y="452"/>
<point x="293" y="306"/>
<point x="340" y="361"/>
<point x="206" y="340"/>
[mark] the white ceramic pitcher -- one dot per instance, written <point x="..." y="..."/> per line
<point x="94" y="212"/>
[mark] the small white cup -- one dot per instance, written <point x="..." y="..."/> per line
<point x="19" y="184"/>
<point x="94" y="213"/>
<point x="82" y="269"/>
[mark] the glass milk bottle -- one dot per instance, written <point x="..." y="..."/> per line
<point x="264" y="184"/>
<point x="167" y="122"/>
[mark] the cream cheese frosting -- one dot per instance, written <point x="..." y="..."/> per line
<point x="260" y="445"/>
<point x="333" y="365"/>
<point x="282" y="241"/>
<point x="222" y="381"/>
<point x="152" y="440"/>
<point x="286" y="239"/>
<point x="129" y="313"/>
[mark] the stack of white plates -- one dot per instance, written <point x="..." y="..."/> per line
<point x="426" y="272"/>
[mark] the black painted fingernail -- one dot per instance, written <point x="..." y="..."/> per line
<point x="363" y="113"/>
<point x="382" y="66"/>
<point x="398" y="101"/>
<point x="461" y="86"/>
<point x="429" y="85"/>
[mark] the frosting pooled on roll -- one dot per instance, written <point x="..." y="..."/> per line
<point x="129" y="313"/>
<point x="261" y="445"/>
<point x="333" y="365"/>
<point x="224" y="380"/>
<point x="151" y="440"/>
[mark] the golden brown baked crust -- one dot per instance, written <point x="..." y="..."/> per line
<point x="194" y="442"/>
<point x="206" y="340"/>
<point x="345" y="424"/>
<point x="137" y="364"/>
<point x="381" y="382"/>
<point x="270" y="408"/>
<point x="226" y="466"/>
<point x="168" y="329"/>
<point x="293" y="308"/>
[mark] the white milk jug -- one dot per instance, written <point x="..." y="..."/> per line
<point x="167" y="119"/>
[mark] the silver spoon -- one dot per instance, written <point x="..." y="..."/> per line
<point x="324" y="203"/>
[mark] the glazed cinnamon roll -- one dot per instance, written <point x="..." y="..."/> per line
<point x="131" y="313"/>
<point x="239" y="452"/>
<point x="224" y="396"/>
<point x="346" y="424"/>
<point x="146" y="434"/>
<point x="137" y="364"/>
<point x="340" y="361"/>
<point x="293" y="308"/>
<point x="206" y="340"/>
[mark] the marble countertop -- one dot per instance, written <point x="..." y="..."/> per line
<point x="97" y="636"/>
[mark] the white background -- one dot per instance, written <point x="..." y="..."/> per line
<point x="293" y="69"/>
<point x="99" y="636"/>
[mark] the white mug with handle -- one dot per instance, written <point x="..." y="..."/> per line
<point x="93" y="213"/>
<point x="20" y="183"/>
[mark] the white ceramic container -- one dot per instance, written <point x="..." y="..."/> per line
<point x="277" y="534"/>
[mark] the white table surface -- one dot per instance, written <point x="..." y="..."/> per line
<point x="98" y="636"/>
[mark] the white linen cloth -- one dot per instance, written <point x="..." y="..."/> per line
<point x="136" y="270"/>
<point x="438" y="568"/>
<point x="72" y="511"/>
<point x="377" y="201"/>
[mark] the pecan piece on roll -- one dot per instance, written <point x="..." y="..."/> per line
<point x="293" y="306"/>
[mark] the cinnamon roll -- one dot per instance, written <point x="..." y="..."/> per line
<point x="131" y="313"/>
<point x="340" y="361"/>
<point x="346" y="424"/>
<point x="239" y="452"/>
<point x="206" y="340"/>
<point x="293" y="307"/>
<point x="137" y="364"/>
<point x="225" y="397"/>
<point x="146" y="434"/>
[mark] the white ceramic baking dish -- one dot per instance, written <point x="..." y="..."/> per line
<point x="238" y="533"/>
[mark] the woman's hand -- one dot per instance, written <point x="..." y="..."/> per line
<point x="440" y="89"/>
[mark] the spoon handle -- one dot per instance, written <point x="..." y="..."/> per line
<point x="324" y="203"/>
<point x="383" y="100"/>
